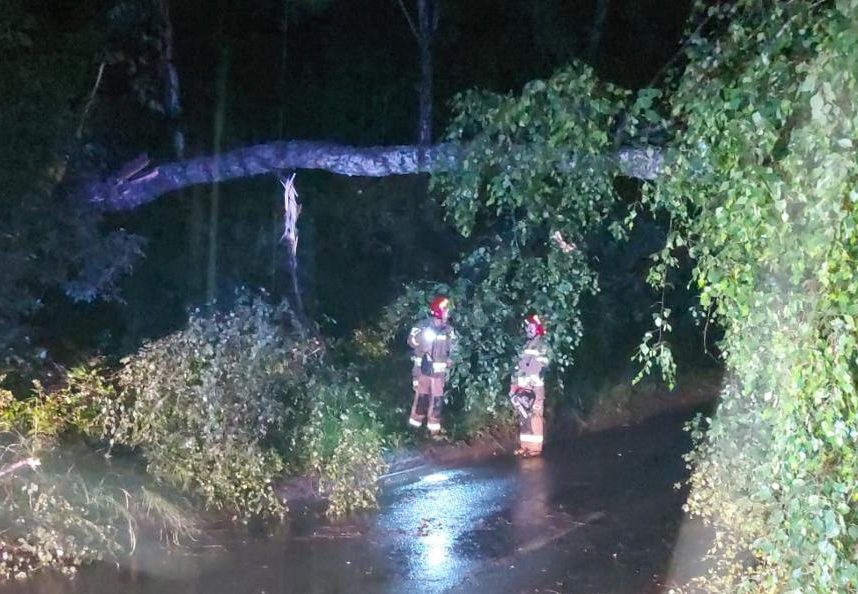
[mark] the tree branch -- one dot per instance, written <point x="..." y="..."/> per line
<point x="137" y="184"/>
<point x="409" y="19"/>
<point x="31" y="463"/>
<point x="90" y="101"/>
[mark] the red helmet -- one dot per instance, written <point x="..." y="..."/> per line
<point x="534" y="320"/>
<point x="439" y="306"/>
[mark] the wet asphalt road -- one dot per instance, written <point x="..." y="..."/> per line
<point x="597" y="514"/>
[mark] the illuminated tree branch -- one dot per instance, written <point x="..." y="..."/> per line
<point x="138" y="183"/>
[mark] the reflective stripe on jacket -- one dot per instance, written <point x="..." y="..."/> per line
<point x="531" y="363"/>
<point x="427" y="338"/>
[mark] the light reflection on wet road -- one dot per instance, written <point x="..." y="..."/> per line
<point x="428" y="520"/>
<point x="597" y="515"/>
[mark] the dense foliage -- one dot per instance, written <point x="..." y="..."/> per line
<point x="60" y="503"/>
<point x="223" y="407"/>
<point x="759" y="191"/>
<point x="221" y="411"/>
<point x="339" y="440"/>
<point x="46" y="242"/>
<point x="532" y="188"/>
<point x="762" y="192"/>
<point x="201" y="404"/>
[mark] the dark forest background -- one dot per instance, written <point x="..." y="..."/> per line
<point x="337" y="71"/>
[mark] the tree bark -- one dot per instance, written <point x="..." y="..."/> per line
<point x="427" y="18"/>
<point x="428" y="12"/>
<point x="597" y="30"/>
<point x="282" y="90"/>
<point x="137" y="183"/>
<point x="214" y="205"/>
<point x="172" y="96"/>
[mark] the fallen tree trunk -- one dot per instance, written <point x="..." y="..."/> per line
<point x="138" y="183"/>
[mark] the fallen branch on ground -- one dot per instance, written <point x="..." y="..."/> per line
<point x="31" y="463"/>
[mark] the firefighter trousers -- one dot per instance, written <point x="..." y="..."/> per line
<point x="428" y="400"/>
<point x="530" y="434"/>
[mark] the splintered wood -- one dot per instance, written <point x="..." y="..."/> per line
<point x="291" y="212"/>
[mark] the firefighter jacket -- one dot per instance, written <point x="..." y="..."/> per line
<point x="433" y="346"/>
<point x="531" y="364"/>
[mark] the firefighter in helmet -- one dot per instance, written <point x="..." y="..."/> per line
<point x="527" y="389"/>
<point x="432" y="341"/>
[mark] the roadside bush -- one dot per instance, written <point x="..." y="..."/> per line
<point x="761" y="192"/>
<point x="222" y="408"/>
<point x="62" y="505"/>
<point x="218" y="410"/>
<point x="74" y="406"/>
<point x="339" y="441"/>
<point x="206" y="404"/>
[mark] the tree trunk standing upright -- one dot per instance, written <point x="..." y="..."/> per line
<point x="214" y="207"/>
<point x="282" y="87"/>
<point x="428" y="14"/>
<point x="172" y="101"/>
<point x="427" y="18"/>
<point x="172" y="97"/>
<point x="597" y="30"/>
<point x="291" y="208"/>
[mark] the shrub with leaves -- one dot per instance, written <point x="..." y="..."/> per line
<point x="338" y="438"/>
<point x="761" y="190"/>
<point x="215" y="410"/>
<point x="223" y="407"/>
<point x="61" y="504"/>
<point x="205" y="404"/>
<point x="75" y="406"/>
<point x="533" y="187"/>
